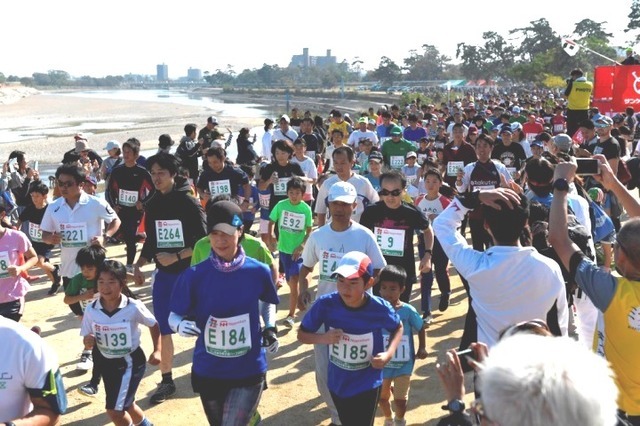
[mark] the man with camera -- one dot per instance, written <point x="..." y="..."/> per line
<point x="578" y="94"/>
<point x="618" y="299"/>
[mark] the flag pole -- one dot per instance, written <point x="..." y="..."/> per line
<point x="592" y="51"/>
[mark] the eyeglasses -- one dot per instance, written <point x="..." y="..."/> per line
<point x="394" y="193"/>
<point x="525" y="326"/>
<point x="66" y="184"/>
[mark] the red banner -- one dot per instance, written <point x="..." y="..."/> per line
<point x="616" y="88"/>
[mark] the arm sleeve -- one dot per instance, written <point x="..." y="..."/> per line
<point x="445" y="227"/>
<point x="598" y="284"/>
<point x="180" y="302"/>
<point x="269" y="292"/>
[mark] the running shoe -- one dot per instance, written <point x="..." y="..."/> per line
<point x="165" y="390"/>
<point x="427" y="320"/>
<point x="444" y="302"/>
<point x="388" y="422"/>
<point x="36" y="329"/>
<point x="57" y="279"/>
<point x="86" y="362"/>
<point x="54" y="289"/>
<point x="288" y="321"/>
<point x="88" y="390"/>
<point x="399" y="422"/>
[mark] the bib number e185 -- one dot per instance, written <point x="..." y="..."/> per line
<point x="353" y="352"/>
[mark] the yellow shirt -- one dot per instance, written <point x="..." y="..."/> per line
<point x="343" y="125"/>
<point x="580" y="95"/>
<point x="618" y="339"/>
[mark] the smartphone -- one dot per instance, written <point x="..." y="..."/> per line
<point x="467" y="352"/>
<point x="587" y="167"/>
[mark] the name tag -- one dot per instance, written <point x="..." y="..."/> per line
<point x="396" y="161"/>
<point x="263" y="199"/>
<point x="228" y="337"/>
<point x="293" y="222"/>
<point x="453" y="167"/>
<point x="220" y="187"/>
<point x="402" y="354"/>
<point x="353" y="352"/>
<point x="328" y="264"/>
<point x="390" y="241"/>
<point x="35" y="233"/>
<point x="169" y="233"/>
<point x="411" y="179"/>
<point x="127" y="198"/>
<point x="421" y="158"/>
<point x="558" y="127"/>
<point x="4" y="264"/>
<point x="74" y="234"/>
<point x="113" y="340"/>
<point x="280" y="188"/>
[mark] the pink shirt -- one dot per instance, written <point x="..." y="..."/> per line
<point x="13" y="245"/>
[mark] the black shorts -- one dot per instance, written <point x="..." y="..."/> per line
<point x="43" y="249"/>
<point x="12" y="310"/>
<point x="76" y="309"/>
<point x="121" y="377"/>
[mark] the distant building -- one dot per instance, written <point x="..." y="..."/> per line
<point x="162" y="72"/>
<point x="194" y="74"/>
<point x="307" y="61"/>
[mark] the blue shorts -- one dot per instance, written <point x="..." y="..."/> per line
<point x="291" y="267"/>
<point x="121" y="377"/>
<point x="162" y="288"/>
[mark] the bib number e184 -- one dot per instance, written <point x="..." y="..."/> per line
<point x="228" y="337"/>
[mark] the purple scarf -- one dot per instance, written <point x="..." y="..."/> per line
<point x="224" y="266"/>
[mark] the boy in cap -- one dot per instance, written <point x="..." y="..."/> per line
<point x="165" y="143"/>
<point x="354" y="321"/>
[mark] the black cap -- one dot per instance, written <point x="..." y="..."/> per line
<point x="165" y="141"/>
<point x="225" y="216"/>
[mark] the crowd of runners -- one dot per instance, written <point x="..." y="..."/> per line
<point x="374" y="202"/>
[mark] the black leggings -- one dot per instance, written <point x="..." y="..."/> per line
<point x="357" y="410"/>
<point x="129" y="229"/>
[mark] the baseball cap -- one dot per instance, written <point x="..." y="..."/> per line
<point x="372" y="121"/>
<point x="212" y="120"/>
<point x="80" y="136"/>
<point x="363" y="120"/>
<point x="603" y="121"/>
<point x="224" y="216"/>
<point x="343" y="192"/>
<point x="537" y="142"/>
<point x="81" y="145"/>
<point x="411" y="154"/>
<point x="563" y="142"/>
<point x="506" y="129"/>
<point x="286" y="118"/>
<point x="396" y="131"/>
<point x="516" y="126"/>
<point x="111" y="145"/>
<point x="165" y="141"/>
<point x="515" y="110"/>
<point x="376" y="156"/>
<point x="92" y="180"/>
<point x="354" y="264"/>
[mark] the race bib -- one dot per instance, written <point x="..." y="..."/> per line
<point x="421" y="158"/>
<point x="312" y="155"/>
<point x="228" y="337"/>
<point x="293" y="222"/>
<point x="402" y="354"/>
<point x="74" y="234"/>
<point x="353" y="352"/>
<point x="558" y="128"/>
<point x="4" y="264"/>
<point x="411" y="179"/>
<point x="531" y="137"/>
<point x="453" y="167"/>
<point x="328" y="264"/>
<point x="396" y="161"/>
<point x="220" y="187"/>
<point x="264" y="199"/>
<point x="35" y="233"/>
<point x="127" y="198"/>
<point x="280" y="188"/>
<point x="390" y="241"/>
<point x="84" y="303"/>
<point x="113" y="340"/>
<point x="169" y="233"/>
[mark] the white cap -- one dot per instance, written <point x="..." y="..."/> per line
<point x="344" y="192"/>
<point x="111" y="145"/>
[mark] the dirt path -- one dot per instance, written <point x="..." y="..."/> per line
<point x="292" y="398"/>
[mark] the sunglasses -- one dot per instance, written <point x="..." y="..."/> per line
<point x="394" y="193"/>
<point x="66" y="184"/>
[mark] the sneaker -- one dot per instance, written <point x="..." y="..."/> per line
<point x="444" y="302"/>
<point x="255" y="420"/>
<point x="281" y="281"/>
<point x="399" y="422"/>
<point x="427" y="320"/>
<point x="88" y="390"/>
<point x="130" y="269"/>
<point x="288" y="321"/>
<point x="54" y="289"/>
<point x="86" y="362"/>
<point x="164" y="391"/>
<point x="388" y="422"/>
<point x="57" y="279"/>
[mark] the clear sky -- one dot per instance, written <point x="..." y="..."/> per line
<point x="133" y="36"/>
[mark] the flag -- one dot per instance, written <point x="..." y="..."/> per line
<point x="570" y="46"/>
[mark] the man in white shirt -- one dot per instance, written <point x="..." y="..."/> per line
<point x="284" y="132"/>
<point x="362" y="133"/>
<point x="508" y="283"/>
<point x="75" y="220"/>
<point x="326" y="246"/>
<point x="343" y="159"/>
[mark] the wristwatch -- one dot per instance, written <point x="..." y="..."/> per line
<point x="561" y="185"/>
<point x="455" y="406"/>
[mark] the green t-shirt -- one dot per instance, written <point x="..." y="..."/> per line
<point x="78" y="285"/>
<point x="253" y="247"/>
<point x="293" y="221"/>
<point x="395" y="153"/>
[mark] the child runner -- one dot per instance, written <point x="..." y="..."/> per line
<point x="78" y="294"/>
<point x="399" y="369"/>
<point x="431" y="205"/>
<point x="33" y="214"/>
<point x="112" y="325"/>
<point x="249" y="210"/>
<point x="295" y="222"/>
<point x="357" y="355"/>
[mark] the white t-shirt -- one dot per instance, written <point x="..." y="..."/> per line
<point x="366" y="195"/>
<point x="27" y="360"/>
<point x="266" y="144"/>
<point x="309" y="169"/>
<point x="278" y="134"/>
<point x="77" y="226"/>
<point x="126" y="322"/>
<point x="357" y="135"/>
<point x="326" y="246"/>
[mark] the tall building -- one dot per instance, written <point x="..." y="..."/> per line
<point x="306" y="61"/>
<point x="162" y="72"/>
<point x="194" y="74"/>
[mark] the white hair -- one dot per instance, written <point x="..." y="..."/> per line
<point x="536" y="380"/>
